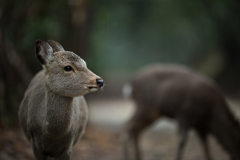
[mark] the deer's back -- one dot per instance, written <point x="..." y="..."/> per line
<point x="174" y="91"/>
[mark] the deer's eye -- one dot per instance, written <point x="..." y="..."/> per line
<point x="68" y="68"/>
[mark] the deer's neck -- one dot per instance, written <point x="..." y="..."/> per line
<point x="59" y="111"/>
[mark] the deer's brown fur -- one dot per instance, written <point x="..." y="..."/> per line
<point x="194" y="101"/>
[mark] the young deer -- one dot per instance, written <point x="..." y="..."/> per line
<point x="53" y="112"/>
<point x="194" y="101"/>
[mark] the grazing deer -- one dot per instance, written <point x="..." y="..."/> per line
<point x="53" y="112"/>
<point x="194" y="101"/>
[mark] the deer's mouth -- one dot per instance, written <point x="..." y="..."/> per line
<point x="93" y="88"/>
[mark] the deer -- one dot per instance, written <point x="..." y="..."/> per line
<point x="53" y="112"/>
<point x="194" y="101"/>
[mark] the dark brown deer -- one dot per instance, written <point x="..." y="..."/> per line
<point x="53" y="112"/>
<point x="194" y="101"/>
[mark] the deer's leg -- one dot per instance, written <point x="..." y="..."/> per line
<point x="132" y="137"/>
<point x="125" y="140"/>
<point x="183" y="135"/>
<point x="39" y="155"/>
<point x="64" y="156"/>
<point x="38" y="152"/>
<point x="136" y="125"/>
<point x="136" y="147"/>
<point x="203" y="138"/>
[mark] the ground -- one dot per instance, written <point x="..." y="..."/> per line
<point x="101" y="140"/>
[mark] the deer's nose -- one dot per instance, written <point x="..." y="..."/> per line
<point x="100" y="82"/>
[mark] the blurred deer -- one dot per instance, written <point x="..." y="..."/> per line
<point x="194" y="101"/>
<point x="53" y="112"/>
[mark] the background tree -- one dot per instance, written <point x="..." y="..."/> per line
<point x="22" y="22"/>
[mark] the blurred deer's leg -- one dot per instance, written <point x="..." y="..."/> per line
<point x="203" y="138"/>
<point x="136" y="147"/>
<point x="125" y="142"/>
<point x="131" y="139"/>
<point x="139" y="122"/>
<point x="182" y="141"/>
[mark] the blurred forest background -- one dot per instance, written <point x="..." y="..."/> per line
<point x="116" y="38"/>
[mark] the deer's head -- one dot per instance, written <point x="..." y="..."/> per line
<point x="65" y="72"/>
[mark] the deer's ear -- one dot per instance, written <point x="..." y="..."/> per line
<point x="44" y="52"/>
<point x="55" y="46"/>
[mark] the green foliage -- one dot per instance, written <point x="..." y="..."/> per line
<point x="22" y="22"/>
<point x="27" y="21"/>
<point x="130" y="34"/>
